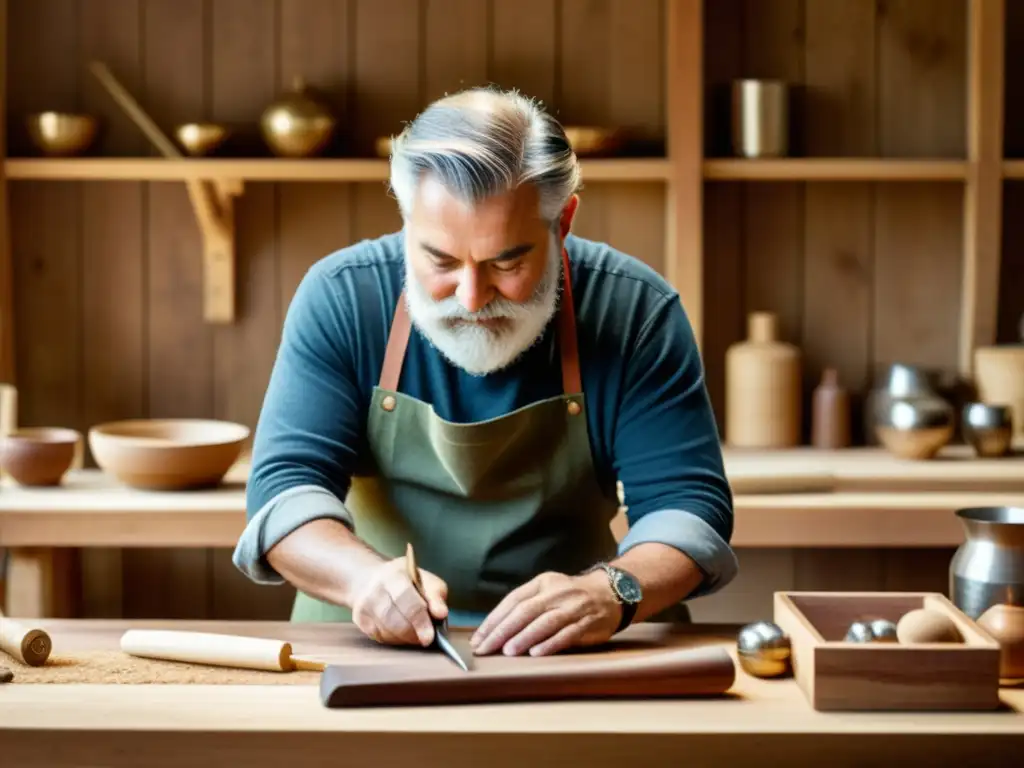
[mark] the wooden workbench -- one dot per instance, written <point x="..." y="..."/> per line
<point x="765" y="722"/>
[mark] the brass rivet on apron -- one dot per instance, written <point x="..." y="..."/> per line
<point x="388" y="403"/>
<point x="574" y="408"/>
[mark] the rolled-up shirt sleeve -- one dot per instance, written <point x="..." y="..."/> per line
<point x="667" y="451"/>
<point x="309" y="430"/>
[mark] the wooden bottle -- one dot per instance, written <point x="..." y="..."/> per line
<point x="830" y="413"/>
<point x="762" y="388"/>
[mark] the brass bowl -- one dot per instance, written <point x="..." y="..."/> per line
<point x="200" y="139"/>
<point x="61" y="134"/>
<point x="168" y="454"/>
<point x="590" y="140"/>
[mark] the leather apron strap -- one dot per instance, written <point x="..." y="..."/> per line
<point x="398" y="340"/>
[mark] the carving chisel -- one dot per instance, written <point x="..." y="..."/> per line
<point x="441" y="638"/>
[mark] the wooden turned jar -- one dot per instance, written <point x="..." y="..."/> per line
<point x="762" y="388"/>
<point x="830" y="413"/>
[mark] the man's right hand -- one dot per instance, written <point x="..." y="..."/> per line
<point x="387" y="607"/>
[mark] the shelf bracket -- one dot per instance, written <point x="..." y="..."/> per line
<point x="214" y="205"/>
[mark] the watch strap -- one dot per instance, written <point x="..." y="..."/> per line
<point x="628" y="608"/>
<point x="628" y="612"/>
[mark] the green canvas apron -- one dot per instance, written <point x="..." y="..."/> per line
<point x="487" y="505"/>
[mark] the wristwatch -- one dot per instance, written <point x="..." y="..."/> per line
<point x="626" y="589"/>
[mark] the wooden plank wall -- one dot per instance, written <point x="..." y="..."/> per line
<point x="1011" y="294"/>
<point x="108" y="274"/>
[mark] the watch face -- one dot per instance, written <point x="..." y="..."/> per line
<point x="627" y="587"/>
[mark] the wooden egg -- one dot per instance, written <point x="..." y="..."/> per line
<point x="927" y="626"/>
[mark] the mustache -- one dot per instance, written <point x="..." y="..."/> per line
<point x="497" y="309"/>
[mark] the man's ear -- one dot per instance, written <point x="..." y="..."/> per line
<point x="565" y="222"/>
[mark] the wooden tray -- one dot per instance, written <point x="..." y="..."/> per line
<point x="841" y="676"/>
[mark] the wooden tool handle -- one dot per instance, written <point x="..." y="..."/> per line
<point x="213" y="649"/>
<point x="29" y="645"/>
<point x="412" y="569"/>
<point x="706" y="671"/>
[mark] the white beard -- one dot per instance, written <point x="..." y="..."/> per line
<point x="475" y="348"/>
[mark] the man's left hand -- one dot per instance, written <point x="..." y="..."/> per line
<point x="549" y="614"/>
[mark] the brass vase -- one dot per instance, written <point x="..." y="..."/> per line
<point x="298" y="124"/>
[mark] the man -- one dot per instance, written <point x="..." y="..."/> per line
<point x="476" y="384"/>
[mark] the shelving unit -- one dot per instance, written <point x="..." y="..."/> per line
<point x="684" y="170"/>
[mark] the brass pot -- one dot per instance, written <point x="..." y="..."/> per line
<point x="298" y="124"/>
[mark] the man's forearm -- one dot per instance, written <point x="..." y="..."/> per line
<point x="666" y="576"/>
<point x="324" y="559"/>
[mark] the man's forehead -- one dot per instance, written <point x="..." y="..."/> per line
<point x="517" y="207"/>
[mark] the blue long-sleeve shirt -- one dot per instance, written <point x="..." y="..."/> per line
<point x="650" y="421"/>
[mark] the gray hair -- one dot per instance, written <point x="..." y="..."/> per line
<point x="482" y="142"/>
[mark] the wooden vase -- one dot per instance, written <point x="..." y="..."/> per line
<point x="762" y="388"/>
<point x="999" y="376"/>
<point x="830" y="413"/>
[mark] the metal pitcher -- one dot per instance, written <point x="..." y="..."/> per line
<point x="988" y="568"/>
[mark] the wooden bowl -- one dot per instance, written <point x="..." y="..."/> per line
<point x="61" y="134"/>
<point x="38" y="455"/>
<point x="168" y="454"/>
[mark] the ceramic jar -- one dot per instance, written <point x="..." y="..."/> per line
<point x="763" y="388"/>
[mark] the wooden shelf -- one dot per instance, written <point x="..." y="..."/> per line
<point x="1013" y="169"/>
<point x="834" y="169"/>
<point x="274" y="169"/>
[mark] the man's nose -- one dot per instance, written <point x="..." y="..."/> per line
<point x="472" y="291"/>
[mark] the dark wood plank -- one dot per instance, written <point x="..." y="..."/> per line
<point x="1013" y="109"/>
<point x="839" y="109"/>
<point x="40" y="73"/>
<point x="524" y="47"/>
<point x="838" y="281"/>
<point x="245" y="350"/>
<point x="919" y="227"/>
<point x="850" y="570"/>
<point x="374" y="212"/>
<point x="244" y="81"/>
<point x="723" y="203"/>
<point x="165" y="582"/>
<point x="918" y="237"/>
<point x="45" y="221"/>
<point x="388" y="93"/>
<point x="840" y="115"/>
<point x="7" y="333"/>
<point x="455" y="46"/>
<point x="773" y="217"/>
<point x="1011" y="298"/>
<point x="313" y="43"/>
<point x="113" y="257"/>
<point x="610" y="74"/>
<point x="111" y="33"/>
<point x="314" y="218"/>
<point x="922" y="78"/>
